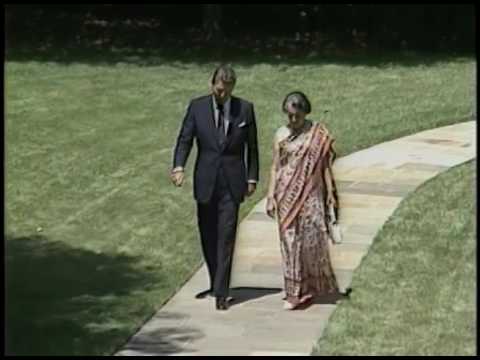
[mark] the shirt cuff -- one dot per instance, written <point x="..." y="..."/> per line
<point x="178" y="169"/>
<point x="252" y="181"/>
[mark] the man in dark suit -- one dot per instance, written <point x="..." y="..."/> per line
<point x="226" y="169"/>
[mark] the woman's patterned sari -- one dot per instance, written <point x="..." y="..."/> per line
<point x="300" y="194"/>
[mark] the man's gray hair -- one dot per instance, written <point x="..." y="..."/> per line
<point x="224" y="73"/>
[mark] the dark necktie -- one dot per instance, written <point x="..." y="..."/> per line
<point x="221" y="124"/>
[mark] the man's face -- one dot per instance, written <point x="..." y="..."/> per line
<point x="222" y="91"/>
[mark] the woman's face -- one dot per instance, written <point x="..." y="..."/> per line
<point x="295" y="116"/>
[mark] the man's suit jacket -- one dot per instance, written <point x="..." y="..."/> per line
<point x="238" y="156"/>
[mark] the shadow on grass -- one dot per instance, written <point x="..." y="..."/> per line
<point x="62" y="300"/>
<point x="183" y="53"/>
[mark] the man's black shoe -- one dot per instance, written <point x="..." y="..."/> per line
<point x="221" y="303"/>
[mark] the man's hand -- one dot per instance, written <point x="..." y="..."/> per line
<point x="251" y="189"/>
<point x="177" y="177"/>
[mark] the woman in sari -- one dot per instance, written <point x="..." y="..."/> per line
<point x="300" y="190"/>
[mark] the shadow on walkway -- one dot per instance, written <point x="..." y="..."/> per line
<point x="244" y="294"/>
<point x="166" y="339"/>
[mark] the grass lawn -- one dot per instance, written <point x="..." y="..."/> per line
<point x="97" y="238"/>
<point x="415" y="291"/>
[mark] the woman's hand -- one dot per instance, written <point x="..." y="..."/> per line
<point x="271" y="207"/>
<point x="331" y="200"/>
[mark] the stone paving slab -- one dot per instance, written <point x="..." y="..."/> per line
<point x="371" y="185"/>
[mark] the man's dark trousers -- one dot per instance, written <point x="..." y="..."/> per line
<point x="217" y="221"/>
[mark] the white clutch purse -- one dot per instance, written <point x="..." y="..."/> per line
<point x="334" y="228"/>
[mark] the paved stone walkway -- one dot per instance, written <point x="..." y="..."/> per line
<point x="371" y="183"/>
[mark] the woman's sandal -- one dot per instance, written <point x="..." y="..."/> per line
<point x="287" y="305"/>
